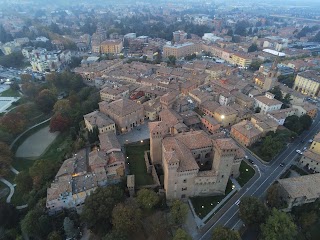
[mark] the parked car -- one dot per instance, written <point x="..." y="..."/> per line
<point x="298" y="151"/>
<point x="282" y="164"/>
<point x="250" y="161"/>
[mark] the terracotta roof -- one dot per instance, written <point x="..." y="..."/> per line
<point x="247" y="129"/>
<point x="109" y="142"/>
<point x="225" y="143"/>
<point x="170" y="117"/>
<point x="311" y="155"/>
<point x="98" y="119"/>
<point x="121" y="107"/>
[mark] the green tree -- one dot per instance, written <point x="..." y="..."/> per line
<point x="69" y="229"/>
<point x="62" y="106"/>
<point x="24" y="182"/>
<point x="305" y="121"/>
<point x="253" y="48"/>
<point x="178" y="212"/>
<point x="5" y="159"/>
<point x="93" y="136"/>
<point x="99" y="205"/>
<point x="252" y="211"/>
<point x="279" y="225"/>
<point x="36" y="224"/>
<point x="223" y="233"/>
<point x="277" y="93"/>
<point x="147" y="198"/>
<point x="274" y="197"/>
<point x="14" y="59"/>
<point x="54" y="236"/>
<point x="293" y="124"/>
<point x="9" y="215"/>
<point x="46" y="100"/>
<point x="172" y="60"/>
<point x="115" y="235"/>
<point x="257" y="110"/>
<point x="307" y="219"/>
<point x="180" y="234"/>
<point x="255" y="65"/>
<point x="126" y="217"/>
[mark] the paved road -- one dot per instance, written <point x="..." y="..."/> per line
<point x="11" y="186"/>
<point x="258" y="185"/>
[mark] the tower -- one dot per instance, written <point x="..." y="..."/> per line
<point x="157" y="132"/>
<point x="271" y="78"/>
<point x="224" y="155"/>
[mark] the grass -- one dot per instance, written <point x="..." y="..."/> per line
<point x="58" y="149"/>
<point x="22" y="163"/>
<point x="10" y="93"/>
<point x="137" y="166"/>
<point x="246" y="173"/>
<point x="208" y="202"/>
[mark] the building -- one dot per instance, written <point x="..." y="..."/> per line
<point x="225" y="115"/>
<point x="241" y="60"/>
<point x="111" y="46"/>
<point x="281" y="114"/>
<point x="80" y="175"/>
<point x="126" y="113"/>
<point x="267" y="103"/>
<point x="111" y="94"/>
<point x="306" y="108"/>
<point x="193" y="163"/>
<point x="245" y="133"/>
<point x="311" y="158"/>
<point x="297" y="191"/>
<point x="308" y="83"/>
<point x="100" y="120"/>
<point x="181" y="50"/>
<point x="179" y="35"/>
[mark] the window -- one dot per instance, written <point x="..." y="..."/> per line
<point x="185" y="180"/>
<point x="184" y="189"/>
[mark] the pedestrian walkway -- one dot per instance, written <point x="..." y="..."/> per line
<point x="11" y="186"/>
<point x="235" y="183"/>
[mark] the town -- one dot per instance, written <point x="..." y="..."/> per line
<point x="170" y="120"/>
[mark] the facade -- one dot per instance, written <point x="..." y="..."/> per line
<point x="267" y="103"/>
<point x="225" y="115"/>
<point x="306" y="108"/>
<point x="100" y="120"/>
<point x="111" y="94"/>
<point x="281" y="114"/>
<point x="301" y="190"/>
<point x="241" y="60"/>
<point x="181" y="50"/>
<point x="308" y="83"/>
<point x="111" y="46"/>
<point x="126" y="113"/>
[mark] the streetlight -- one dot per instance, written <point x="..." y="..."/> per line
<point x="141" y="141"/>
<point x="247" y="170"/>
<point x="202" y="206"/>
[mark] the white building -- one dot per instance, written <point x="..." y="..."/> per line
<point x="267" y="103"/>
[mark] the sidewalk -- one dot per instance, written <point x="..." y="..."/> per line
<point x="11" y="186"/>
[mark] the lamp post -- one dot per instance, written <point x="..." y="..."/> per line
<point x="222" y="118"/>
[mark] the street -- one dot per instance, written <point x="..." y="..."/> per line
<point x="265" y="176"/>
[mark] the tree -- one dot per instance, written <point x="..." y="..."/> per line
<point x="126" y="217"/>
<point x="13" y="122"/>
<point x="115" y="235"/>
<point x="99" y="205"/>
<point x="9" y="215"/>
<point x="305" y="121"/>
<point x="5" y="159"/>
<point x="277" y="93"/>
<point x="178" y="212"/>
<point x="54" y="236"/>
<point x="172" y="60"/>
<point x="223" y="233"/>
<point x="279" y="225"/>
<point x="93" y="136"/>
<point x="69" y="229"/>
<point x="252" y="211"/>
<point x="157" y="224"/>
<point x="147" y="198"/>
<point x="24" y="182"/>
<point x="293" y="124"/>
<point x="307" y="219"/>
<point x="255" y="65"/>
<point x="273" y="197"/>
<point x="180" y="234"/>
<point x="253" y="48"/>
<point x="59" y="123"/>
<point x="62" y="106"/>
<point x="257" y="109"/>
<point x="46" y="100"/>
<point x="4" y="36"/>
<point x="30" y="89"/>
<point x="36" y="224"/>
<point x="240" y="28"/>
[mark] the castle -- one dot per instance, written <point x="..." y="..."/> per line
<point x="193" y="162"/>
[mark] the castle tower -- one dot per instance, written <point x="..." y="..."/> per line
<point x="224" y="155"/>
<point x="157" y="132"/>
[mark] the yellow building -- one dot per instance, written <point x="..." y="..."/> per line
<point x="308" y="83"/>
<point x="111" y="46"/>
<point x="241" y="60"/>
<point x="181" y="50"/>
<point x="311" y="158"/>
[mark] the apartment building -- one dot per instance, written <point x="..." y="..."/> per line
<point x="267" y="103"/>
<point x="241" y="60"/>
<point x="311" y="158"/>
<point x="245" y="133"/>
<point x="308" y="83"/>
<point x="114" y="46"/>
<point x="100" y="120"/>
<point x="181" y="50"/>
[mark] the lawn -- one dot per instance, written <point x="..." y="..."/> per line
<point x="10" y="93"/>
<point x="203" y="205"/>
<point x="246" y="173"/>
<point x="137" y="166"/>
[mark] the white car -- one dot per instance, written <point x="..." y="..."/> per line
<point x="305" y="148"/>
<point x="298" y="151"/>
